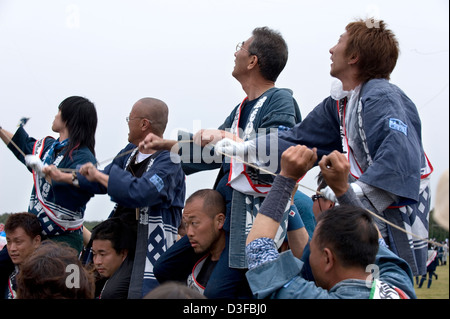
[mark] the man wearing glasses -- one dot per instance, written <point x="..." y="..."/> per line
<point x="258" y="62"/>
<point x="320" y="202"/>
<point x="149" y="189"/>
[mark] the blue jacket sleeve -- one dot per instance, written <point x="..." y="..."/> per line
<point x="395" y="271"/>
<point x="281" y="110"/>
<point x="320" y="129"/>
<point x="392" y="127"/>
<point x="269" y="277"/>
<point x="158" y="186"/>
<point x="97" y="188"/>
<point x="25" y="143"/>
<point x="92" y="187"/>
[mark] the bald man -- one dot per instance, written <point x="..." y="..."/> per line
<point x="148" y="188"/>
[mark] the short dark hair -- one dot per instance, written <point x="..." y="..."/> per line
<point x="29" y="222"/>
<point x="118" y="232"/>
<point x="272" y="52"/>
<point x="351" y="233"/>
<point x="321" y="183"/>
<point x="213" y="201"/>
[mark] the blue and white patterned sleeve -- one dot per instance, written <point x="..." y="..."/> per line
<point x="381" y="242"/>
<point x="260" y="251"/>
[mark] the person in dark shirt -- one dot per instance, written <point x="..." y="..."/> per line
<point x="258" y="61"/>
<point x="148" y="187"/>
<point x="203" y="218"/>
<point x="113" y="245"/>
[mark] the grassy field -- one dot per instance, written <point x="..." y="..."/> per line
<point x="439" y="288"/>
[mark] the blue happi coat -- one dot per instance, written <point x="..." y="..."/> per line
<point x="59" y="206"/>
<point x="159" y="195"/>
<point x="275" y="108"/>
<point x="383" y="135"/>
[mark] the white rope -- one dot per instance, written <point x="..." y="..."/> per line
<point x="70" y="170"/>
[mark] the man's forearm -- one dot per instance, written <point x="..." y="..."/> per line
<point x="272" y="209"/>
<point x="171" y="145"/>
<point x="102" y="178"/>
<point x="5" y="136"/>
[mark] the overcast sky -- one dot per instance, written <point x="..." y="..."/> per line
<point x="116" y="52"/>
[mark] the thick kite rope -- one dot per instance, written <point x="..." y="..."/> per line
<point x="13" y="144"/>
<point x="99" y="163"/>
<point x="318" y="192"/>
<point x="253" y="166"/>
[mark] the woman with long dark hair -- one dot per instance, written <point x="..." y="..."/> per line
<point x="80" y="119"/>
<point x="59" y="206"/>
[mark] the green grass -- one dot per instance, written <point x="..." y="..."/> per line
<point x="439" y="288"/>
